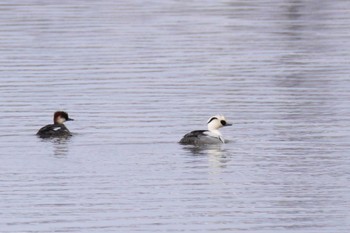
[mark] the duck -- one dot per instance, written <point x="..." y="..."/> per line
<point x="57" y="129"/>
<point x="210" y="136"/>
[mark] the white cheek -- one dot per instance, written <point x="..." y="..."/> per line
<point x="60" y="120"/>
<point x="217" y="124"/>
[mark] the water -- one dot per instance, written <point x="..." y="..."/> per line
<point x="136" y="76"/>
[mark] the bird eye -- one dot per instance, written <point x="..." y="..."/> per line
<point x="223" y="122"/>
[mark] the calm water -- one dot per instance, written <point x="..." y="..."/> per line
<point x="137" y="75"/>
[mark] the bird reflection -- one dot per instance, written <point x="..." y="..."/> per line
<point x="60" y="146"/>
<point x="215" y="153"/>
<point x="210" y="149"/>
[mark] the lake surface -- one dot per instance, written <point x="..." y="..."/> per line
<point x="136" y="76"/>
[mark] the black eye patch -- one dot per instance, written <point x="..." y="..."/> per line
<point x="223" y="122"/>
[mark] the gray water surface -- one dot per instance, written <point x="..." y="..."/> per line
<point x="136" y="76"/>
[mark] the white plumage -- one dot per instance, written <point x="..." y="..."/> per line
<point x="210" y="136"/>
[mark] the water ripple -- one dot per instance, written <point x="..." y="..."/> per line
<point x="138" y="75"/>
